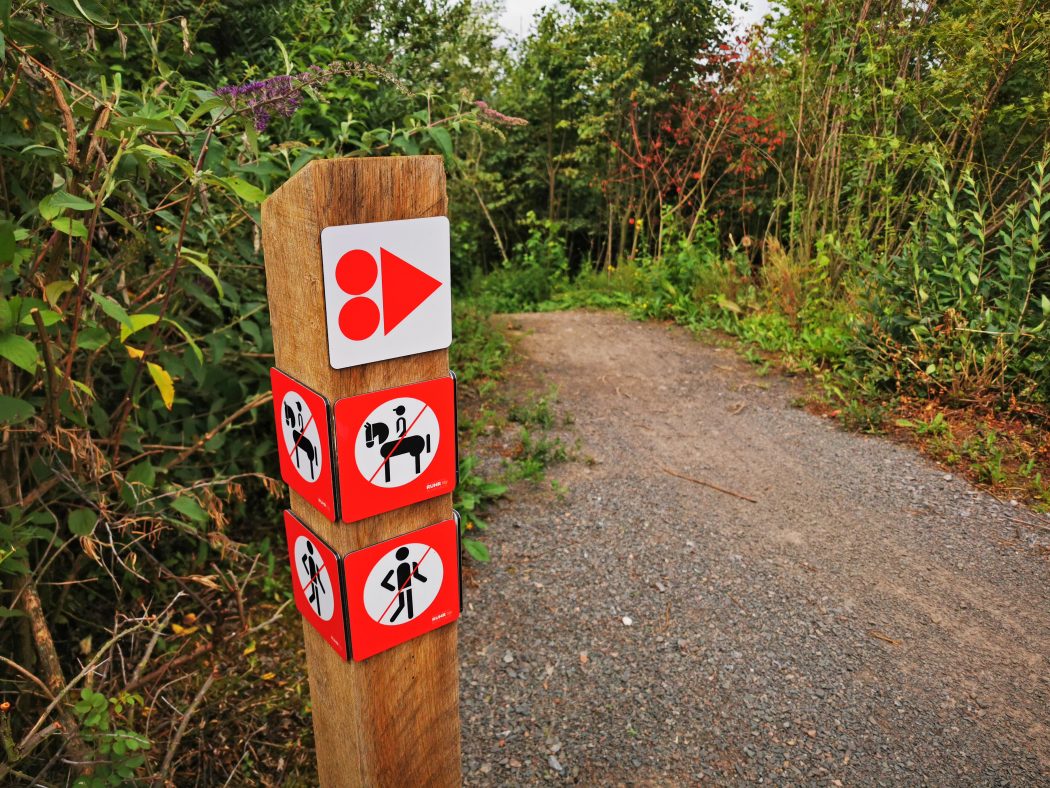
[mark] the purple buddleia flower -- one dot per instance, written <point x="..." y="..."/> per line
<point x="281" y="96"/>
<point x="265" y="98"/>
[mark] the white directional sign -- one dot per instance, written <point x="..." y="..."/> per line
<point x="387" y="289"/>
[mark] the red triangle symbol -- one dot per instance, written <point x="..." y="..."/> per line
<point x="405" y="287"/>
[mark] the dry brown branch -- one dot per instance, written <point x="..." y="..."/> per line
<point x="29" y="601"/>
<point x="708" y="484"/>
<point x="177" y="738"/>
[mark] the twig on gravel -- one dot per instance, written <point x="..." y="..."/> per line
<point x="708" y="484"/>
<point x="884" y="637"/>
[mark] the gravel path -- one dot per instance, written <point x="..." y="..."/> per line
<point x="869" y="620"/>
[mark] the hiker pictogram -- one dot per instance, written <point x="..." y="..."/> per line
<point x="314" y="579"/>
<point x="402" y="588"/>
<point x="303" y="442"/>
<point x="387" y="289"/>
<point x="316" y="583"/>
<point x="391" y="451"/>
<point x="407" y="573"/>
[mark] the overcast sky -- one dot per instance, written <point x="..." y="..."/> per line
<point x="517" y="14"/>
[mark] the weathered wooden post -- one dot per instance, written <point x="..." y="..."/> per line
<point x="381" y="717"/>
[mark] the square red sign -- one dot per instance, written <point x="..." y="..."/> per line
<point x="317" y="582"/>
<point x="402" y="588"/>
<point x="396" y="447"/>
<point x="304" y="443"/>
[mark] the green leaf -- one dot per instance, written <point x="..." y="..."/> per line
<point x="477" y="550"/>
<point x="1044" y="302"/>
<point x="52" y="205"/>
<point x="137" y="323"/>
<point x="47" y="316"/>
<point x="246" y="191"/>
<point x="206" y="106"/>
<point x="142" y="473"/>
<point x="189" y="506"/>
<point x="443" y="139"/>
<point x="201" y="262"/>
<point x="19" y="351"/>
<point x="973" y="278"/>
<point x="70" y="226"/>
<point x="7" y="612"/>
<point x="14" y="410"/>
<point x="55" y="290"/>
<point x="113" y="309"/>
<point x="82" y="521"/>
<point x="164" y="383"/>
<point x="93" y="338"/>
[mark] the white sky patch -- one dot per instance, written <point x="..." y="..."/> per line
<point x="518" y="15"/>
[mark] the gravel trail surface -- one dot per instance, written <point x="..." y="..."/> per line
<point x="869" y="619"/>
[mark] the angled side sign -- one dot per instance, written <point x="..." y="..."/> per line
<point x="303" y="442"/>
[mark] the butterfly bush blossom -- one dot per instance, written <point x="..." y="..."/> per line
<point x="281" y="96"/>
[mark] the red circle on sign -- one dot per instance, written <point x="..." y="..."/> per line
<point x="356" y="272"/>
<point x="359" y="318"/>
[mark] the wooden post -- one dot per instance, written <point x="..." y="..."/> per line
<point x="394" y="718"/>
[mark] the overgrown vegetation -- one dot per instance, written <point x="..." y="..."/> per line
<point x="858" y="190"/>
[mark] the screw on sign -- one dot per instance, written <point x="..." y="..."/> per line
<point x="304" y="442"/>
<point x="387" y="289"/>
<point x="398" y="446"/>
<point x="316" y="583"/>
<point x="403" y="588"/>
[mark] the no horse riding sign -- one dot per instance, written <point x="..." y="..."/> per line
<point x="303" y="442"/>
<point x="396" y="447"/>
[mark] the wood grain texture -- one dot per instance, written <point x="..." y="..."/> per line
<point x="394" y="718"/>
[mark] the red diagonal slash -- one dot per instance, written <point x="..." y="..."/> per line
<point x="302" y="434"/>
<point x="407" y="581"/>
<point x="393" y="450"/>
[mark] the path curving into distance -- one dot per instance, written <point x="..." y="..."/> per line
<point x="868" y="620"/>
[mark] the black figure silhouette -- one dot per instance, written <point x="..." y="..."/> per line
<point x="313" y="571"/>
<point x="295" y="420"/>
<point x="406" y="574"/>
<point x="414" y="445"/>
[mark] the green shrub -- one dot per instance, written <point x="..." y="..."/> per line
<point x="963" y="309"/>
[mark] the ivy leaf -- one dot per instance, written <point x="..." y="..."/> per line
<point x="82" y="521"/>
<point x="477" y="550"/>
<point x="165" y="384"/>
<point x="14" y="410"/>
<point x="19" y="351"/>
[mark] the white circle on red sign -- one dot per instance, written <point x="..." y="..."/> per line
<point x="314" y="579"/>
<point x="302" y="441"/>
<point x="397" y="442"/>
<point x="403" y="584"/>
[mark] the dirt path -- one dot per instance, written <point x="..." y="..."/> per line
<point x="868" y="620"/>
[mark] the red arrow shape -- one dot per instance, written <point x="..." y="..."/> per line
<point x="405" y="287"/>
